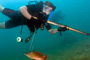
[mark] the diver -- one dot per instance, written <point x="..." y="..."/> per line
<point x="33" y="15"/>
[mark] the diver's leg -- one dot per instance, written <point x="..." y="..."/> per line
<point x="6" y="25"/>
<point x="2" y="25"/>
<point x="10" y="24"/>
<point x="1" y="8"/>
<point x="6" y="11"/>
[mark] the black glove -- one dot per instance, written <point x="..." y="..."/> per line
<point x="62" y="29"/>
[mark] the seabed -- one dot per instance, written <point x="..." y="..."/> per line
<point x="79" y="51"/>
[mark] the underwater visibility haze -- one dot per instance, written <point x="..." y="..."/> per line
<point x="70" y="46"/>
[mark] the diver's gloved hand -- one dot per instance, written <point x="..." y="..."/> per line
<point x="33" y="18"/>
<point x="41" y="19"/>
<point x="62" y="29"/>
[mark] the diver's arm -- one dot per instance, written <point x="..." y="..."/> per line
<point x="53" y="31"/>
<point x="50" y="30"/>
<point x="24" y="12"/>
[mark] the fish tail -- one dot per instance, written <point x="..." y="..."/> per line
<point x="45" y="57"/>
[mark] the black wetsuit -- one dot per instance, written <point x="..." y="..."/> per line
<point x="18" y="19"/>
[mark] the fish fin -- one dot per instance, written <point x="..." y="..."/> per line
<point x="45" y="57"/>
<point x="38" y="53"/>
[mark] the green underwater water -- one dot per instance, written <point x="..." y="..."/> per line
<point x="70" y="46"/>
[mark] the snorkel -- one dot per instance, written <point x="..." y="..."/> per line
<point x="51" y="13"/>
